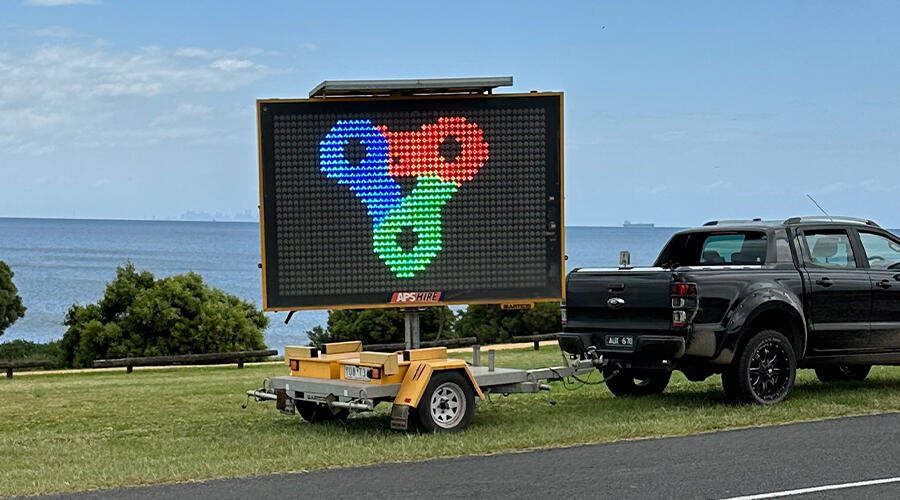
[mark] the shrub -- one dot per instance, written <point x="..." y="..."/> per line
<point x="11" y="307"/>
<point x="381" y="326"/>
<point x="23" y="349"/>
<point x="142" y="316"/>
<point x="492" y="325"/>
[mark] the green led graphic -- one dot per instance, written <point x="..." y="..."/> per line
<point x="420" y="211"/>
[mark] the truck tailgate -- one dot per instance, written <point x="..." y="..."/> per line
<point x="619" y="300"/>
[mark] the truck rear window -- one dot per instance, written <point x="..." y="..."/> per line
<point x="733" y="248"/>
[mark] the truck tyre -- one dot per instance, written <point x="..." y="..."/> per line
<point x="314" y="412"/>
<point x="447" y="405"/>
<point x="843" y="373"/>
<point x="622" y="381"/>
<point x="762" y="371"/>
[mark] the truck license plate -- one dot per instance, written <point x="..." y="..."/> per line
<point x="620" y="340"/>
<point x="356" y="373"/>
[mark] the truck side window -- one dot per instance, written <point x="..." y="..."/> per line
<point x="734" y="249"/>
<point x="881" y="252"/>
<point x="830" y="248"/>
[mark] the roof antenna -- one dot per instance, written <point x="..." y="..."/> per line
<point x="820" y="207"/>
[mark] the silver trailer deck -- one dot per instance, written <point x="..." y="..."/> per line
<point x="362" y="396"/>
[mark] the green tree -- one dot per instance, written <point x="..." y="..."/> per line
<point x="381" y="326"/>
<point x="11" y="307"/>
<point x="492" y="325"/>
<point x="142" y="316"/>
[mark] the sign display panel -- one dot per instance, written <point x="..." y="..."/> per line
<point x="418" y="200"/>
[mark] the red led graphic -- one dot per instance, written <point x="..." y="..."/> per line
<point x="418" y="153"/>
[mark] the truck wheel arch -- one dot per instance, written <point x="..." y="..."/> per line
<point x="770" y="308"/>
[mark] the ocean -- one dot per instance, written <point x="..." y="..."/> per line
<point x="58" y="262"/>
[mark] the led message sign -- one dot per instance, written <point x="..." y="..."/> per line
<point x="381" y="201"/>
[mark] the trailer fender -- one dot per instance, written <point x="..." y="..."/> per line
<point x="419" y="375"/>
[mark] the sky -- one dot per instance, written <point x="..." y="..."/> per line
<point x="675" y="112"/>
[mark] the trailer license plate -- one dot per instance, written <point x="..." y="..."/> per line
<point x="356" y="373"/>
<point x="620" y="340"/>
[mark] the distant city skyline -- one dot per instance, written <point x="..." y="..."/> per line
<point x="676" y="113"/>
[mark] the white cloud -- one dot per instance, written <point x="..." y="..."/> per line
<point x="17" y="119"/>
<point x="231" y="65"/>
<point x="22" y="147"/>
<point x="188" y="109"/>
<point x="58" y="3"/>
<point x="192" y="52"/>
<point x="55" y="32"/>
<point x="201" y="53"/>
<point x="62" y="72"/>
<point x="72" y="89"/>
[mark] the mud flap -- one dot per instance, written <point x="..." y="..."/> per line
<point x="400" y="417"/>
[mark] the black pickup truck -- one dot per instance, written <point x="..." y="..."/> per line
<point x="753" y="300"/>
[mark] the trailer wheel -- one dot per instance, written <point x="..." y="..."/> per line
<point x="447" y="405"/>
<point x="314" y="412"/>
<point x="623" y="382"/>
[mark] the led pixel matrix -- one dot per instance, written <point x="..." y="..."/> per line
<point x="362" y="199"/>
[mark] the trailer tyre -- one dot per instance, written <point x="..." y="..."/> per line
<point x="314" y="412"/>
<point x="447" y="405"/>
<point x="623" y="382"/>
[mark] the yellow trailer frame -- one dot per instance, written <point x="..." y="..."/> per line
<point x="423" y="385"/>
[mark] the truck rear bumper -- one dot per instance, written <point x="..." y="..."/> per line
<point x="646" y="347"/>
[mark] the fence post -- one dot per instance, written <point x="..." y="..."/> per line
<point x="476" y="355"/>
<point x="8" y="372"/>
<point x="240" y="363"/>
<point x="129" y="369"/>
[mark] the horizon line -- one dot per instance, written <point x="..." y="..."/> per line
<point x="94" y="219"/>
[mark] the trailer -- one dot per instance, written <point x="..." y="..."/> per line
<point x="340" y="228"/>
<point x="427" y="390"/>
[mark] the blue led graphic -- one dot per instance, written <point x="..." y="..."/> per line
<point x="369" y="180"/>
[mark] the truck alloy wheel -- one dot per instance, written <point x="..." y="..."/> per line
<point x="763" y="372"/>
<point x="447" y="405"/>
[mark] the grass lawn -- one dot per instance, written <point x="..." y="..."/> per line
<point x="74" y="432"/>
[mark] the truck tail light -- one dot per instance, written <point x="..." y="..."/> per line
<point x="562" y="313"/>
<point x="684" y="296"/>
<point x="376" y="373"/>
<point x="684" y="289"/>
<point x="295" y="365"/>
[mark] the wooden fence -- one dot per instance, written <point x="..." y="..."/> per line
<point x="18" y="364"/>
<point x="537" y="339"/>
<point x="460" y="342"/>
<point x="184" y="359"/>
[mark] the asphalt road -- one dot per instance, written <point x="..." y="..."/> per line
<point x="720" y="465"/>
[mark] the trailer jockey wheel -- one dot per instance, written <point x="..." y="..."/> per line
<point x="447" y="405"/>
<point x="314" y="412"/>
